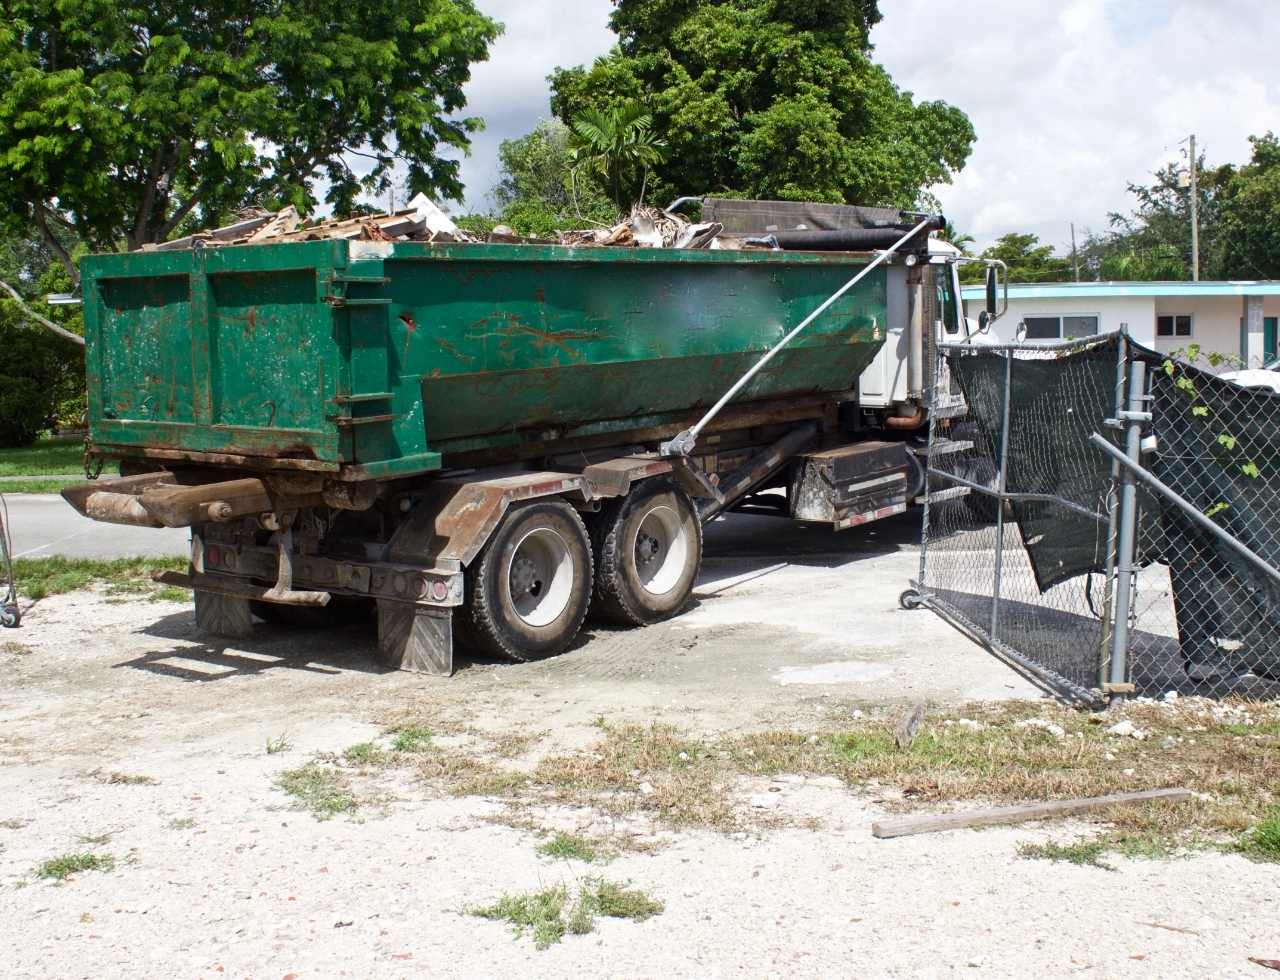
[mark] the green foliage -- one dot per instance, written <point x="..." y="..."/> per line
<point x="1263" y="841"/>
<point x="121" y="119"/>
<point x="1027" y="259"/>
<point x="570" y="847"/>
<point x="1248" y="243"/>
<point x="540" y="192"/>
<point x="768" y="99"/>
<point x="322" y="791"/>
<point x="549" y="915"/>
<point x="39" y="372"/>
<point x="616" y="145"/>
<point x="45" y="457"/>
<point x="61" y="868"/>
<point x="412" y="739"/>
<point x="1085" y="852"/>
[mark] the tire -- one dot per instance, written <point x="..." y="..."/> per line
<point x="529" y="588"/>
<point x="648" y="549"/>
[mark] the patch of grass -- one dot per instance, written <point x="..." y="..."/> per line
<point x="608" y="898"/>
<point x="181" y="823"/>
<point x="14" y="649"/>
<point x="56" y="455"/>
<point x="540" y="912"/>
<point x="60" y="868"/>
<point x="170" y="593"/>
<point x="13" y="823"/>
<point x="571" y="847"/>
<point x="490" y="782"/>
<point x="549" y="915"/>
<point x="412" y="738"/>
<point x="1263" y="841"/>
<point x="279" y="744"/>
<point x="653" y="768"/>
<point x="39" y="578"/>
<point x="323" y="791"/>
<point x="364" y="754"/>
<point x="512" y="744"/>
<point x="35" y="486"/>
<point x="1084" y="852"/>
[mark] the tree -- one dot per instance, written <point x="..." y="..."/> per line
<point x="1027" y="259"/>
<point x="770" y="98"/>
<point x="956" y="237"/>
<point x="538" y="192"/>
<point x="1247" y="245"/>
<point x="616" y="145"/>
<point x="120" y="121"/>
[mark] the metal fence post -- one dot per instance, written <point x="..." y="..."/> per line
<point x="1113" y="519"/>
<point x="1002" y="485"/>
<point x="1118" y="685"/>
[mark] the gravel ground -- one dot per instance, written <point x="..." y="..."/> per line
<point x="217" y="874"/>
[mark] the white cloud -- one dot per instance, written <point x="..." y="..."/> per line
<point x="1071" y="100"/>
<point x="510" y="90"/>
<point x="1074" y="100"/>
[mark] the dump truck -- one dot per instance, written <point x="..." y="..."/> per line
<point x="488" y="441"/>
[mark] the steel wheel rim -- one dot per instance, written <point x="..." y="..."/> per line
<point x="660" y="550"/>
<point x="539" y="577"/>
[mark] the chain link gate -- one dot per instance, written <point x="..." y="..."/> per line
<point x="1029" y="546"/>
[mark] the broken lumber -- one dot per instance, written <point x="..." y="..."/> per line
<point x="931" y="823"/>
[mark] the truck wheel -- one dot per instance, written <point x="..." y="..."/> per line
<point x="528" y="590"/>
<point x="223" y="615"/>
<point x="648" y="549"/>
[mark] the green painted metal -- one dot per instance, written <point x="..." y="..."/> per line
<point x="377" y="358"/>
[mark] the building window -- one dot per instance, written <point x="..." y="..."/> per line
<point x="1174" y="325"/>
<point x="1060" y="327"/>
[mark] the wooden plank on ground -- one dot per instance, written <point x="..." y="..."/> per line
<point x="930" y="823"/>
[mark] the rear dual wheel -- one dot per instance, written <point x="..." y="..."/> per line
<point x="528" y="590"/>
<point x="648" y="548"/>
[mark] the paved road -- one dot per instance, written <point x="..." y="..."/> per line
<point x="44" y="524"/>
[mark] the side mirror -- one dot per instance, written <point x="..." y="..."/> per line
<point x="985" y="320"/>
<point x="993" y="283"/>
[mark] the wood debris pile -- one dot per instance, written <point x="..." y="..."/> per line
<point x="423" y="221"/>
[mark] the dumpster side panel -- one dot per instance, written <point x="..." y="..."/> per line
<point x="507" y="338"/>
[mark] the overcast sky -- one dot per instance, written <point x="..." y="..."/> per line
<point x="1070" y="99"/>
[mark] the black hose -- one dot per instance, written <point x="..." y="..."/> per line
<point x="848" y="239"/>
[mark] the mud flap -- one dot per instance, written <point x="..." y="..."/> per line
<point x="415" y="638"/>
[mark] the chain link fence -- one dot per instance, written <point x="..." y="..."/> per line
<point x="1023" y="544"/>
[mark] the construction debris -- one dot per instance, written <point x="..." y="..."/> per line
<point x="423" y="221"/>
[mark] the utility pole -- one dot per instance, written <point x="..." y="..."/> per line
<point x="1075" y="261"/>
<point x="1195" y="217"/>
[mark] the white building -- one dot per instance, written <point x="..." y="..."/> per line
<point x="1237" y="319"/>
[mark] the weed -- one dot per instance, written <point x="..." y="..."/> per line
<point x="324" y="792"/>
<point x="14" y="649"/>
<point x="169" y="593"/>
<point x="412" y="738"/>
<point x="510" y="745"/>
<point x="495" y="782"/>
<point x="541" y="912"/>
<point x="181" y="823"/>
<point x="364" y="754"/>
<point x="60" y="868"/>
<point x="544" y="912"/>
<point x="279" y="744"/>
<point x="97" y="840"/>
<point x="571" y="847"/>
<point x="608" y="898"/>
<point x="1085" y="852"/>
<point x="13" y="823"/>
<point x="1263" y="841"/>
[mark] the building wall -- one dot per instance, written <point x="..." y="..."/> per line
<point x="1137" y="312"/>
<point x="1215" y="319"/>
